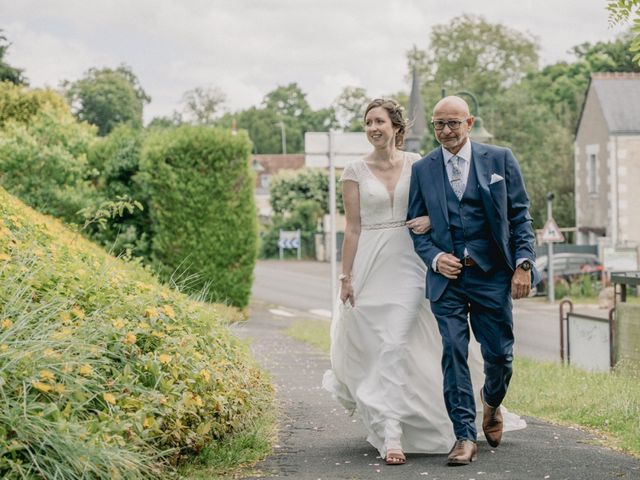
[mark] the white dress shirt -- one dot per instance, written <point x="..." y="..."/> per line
<point x="465" y="161"/>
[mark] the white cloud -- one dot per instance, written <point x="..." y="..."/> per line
<point x="249" y="47"/>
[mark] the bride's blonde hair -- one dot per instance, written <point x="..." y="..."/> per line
<point x="396" y="114"/>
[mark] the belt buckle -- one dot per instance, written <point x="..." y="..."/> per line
<point x="468" y="261"/>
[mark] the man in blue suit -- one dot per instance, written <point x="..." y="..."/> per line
<point x="480" y="254"/>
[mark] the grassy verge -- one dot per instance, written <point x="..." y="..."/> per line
<point x="608" y="404"/>
<point x="313" y="332"/>
<point x="233" y="457"/>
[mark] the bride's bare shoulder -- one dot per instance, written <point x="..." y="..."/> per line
<point x="413" y="157"/>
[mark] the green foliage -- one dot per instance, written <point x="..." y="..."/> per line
<point x="105" y="374"/>
<point x="200" y="193"/>
<point x="286" y="104"/>
<point x="544" y="150"/>
<point x="469" y="53"/>
<point x="107" y="97"/>
<point x="623" y="11"/>
<point x="299" y="198"/>
<point x="20" y="104"/>
<point x="292" y="186"/>
<point x="44" y="162"/>
<point x="202" y="104"/>
<point x="532" y="111"/>
<point x="115" y="162"/>
<point x="7" y="72"/>
<point x="349" y="108"/>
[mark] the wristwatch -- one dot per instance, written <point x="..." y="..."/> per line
<point x="526" y="265"/>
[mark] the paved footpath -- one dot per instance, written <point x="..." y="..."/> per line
<point x="319" y="441"/>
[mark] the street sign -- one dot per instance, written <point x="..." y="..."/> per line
<point x="551" y="232"/>
<point x="289" y="239"/>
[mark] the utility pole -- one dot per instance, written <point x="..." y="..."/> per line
<point x="550" y="280"/>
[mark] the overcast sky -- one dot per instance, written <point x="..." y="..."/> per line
<point x="249" y="47"/>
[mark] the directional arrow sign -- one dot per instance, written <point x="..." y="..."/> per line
<point x="551" y="232"/>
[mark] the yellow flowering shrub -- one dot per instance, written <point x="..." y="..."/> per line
<point x="105" y="373"/>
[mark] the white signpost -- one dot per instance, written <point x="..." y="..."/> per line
<point x="333" y="149"/>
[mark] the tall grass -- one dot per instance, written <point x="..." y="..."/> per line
<point x="103" y="372"/>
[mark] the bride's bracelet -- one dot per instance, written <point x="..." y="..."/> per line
<point x="344" y="276"/>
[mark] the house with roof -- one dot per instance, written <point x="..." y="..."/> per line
<point x="607" y="163"/>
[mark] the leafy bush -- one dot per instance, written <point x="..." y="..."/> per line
<point x="299" y="198"/>
<point x="20" y="104"/>
<point x="200" y="191"/>
<point x="115" y="160"/>
<point x="44" y="162"/>
<point x="104" y="373"/>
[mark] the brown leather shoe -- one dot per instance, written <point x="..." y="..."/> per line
<point x="491" y="423"/>
<point x="463" y="453"/>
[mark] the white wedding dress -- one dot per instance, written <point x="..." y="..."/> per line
<point x="386" y="351"/>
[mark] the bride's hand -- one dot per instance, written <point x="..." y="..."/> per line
<point x="346" y="292"/>
<point x="419" y="225"/>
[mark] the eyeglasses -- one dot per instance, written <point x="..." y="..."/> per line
<point x="452" y="124"/>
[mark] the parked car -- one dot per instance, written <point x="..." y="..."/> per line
<point x="568" y="267"/>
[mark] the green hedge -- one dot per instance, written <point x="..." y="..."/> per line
<point x="105" y="374"/>
<point x="44" y="162"/>
<point x="200" y="189"/>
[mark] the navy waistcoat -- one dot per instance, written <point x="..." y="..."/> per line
<point x="468" y="223"/>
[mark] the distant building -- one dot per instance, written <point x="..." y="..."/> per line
<point x="607" y="162"/>
<point x="266" y="166"/>
<point x="418" y="126"/>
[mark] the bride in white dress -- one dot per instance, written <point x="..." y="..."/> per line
<point x="385" y="343"/>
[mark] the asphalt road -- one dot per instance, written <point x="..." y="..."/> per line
<point x="306" y="286"/>
<point x="317" y="440"/>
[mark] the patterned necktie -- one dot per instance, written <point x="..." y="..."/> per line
<point x="456" y="177"/>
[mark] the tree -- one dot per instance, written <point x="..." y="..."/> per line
<point x="349" y="108"/>
<point x="472" y="54"/>
<point x="7" y="72"/>
<point x="107" y="97"/>
<point x="623" y="11"/>
<point x="288" y="105"/>
<point x="562" y="86"/>
<point x="544" y="148"/>
<point x="202" y="104"/>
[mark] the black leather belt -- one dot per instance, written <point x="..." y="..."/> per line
<point x="468" y="262"/>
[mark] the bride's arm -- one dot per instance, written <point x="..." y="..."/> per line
<point x="351" y="200"/>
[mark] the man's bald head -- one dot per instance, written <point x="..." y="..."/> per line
<point x="452" y="103"/>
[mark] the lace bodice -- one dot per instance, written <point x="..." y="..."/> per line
<point x="377" y="206"/>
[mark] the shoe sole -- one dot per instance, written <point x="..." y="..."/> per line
<point x="459" y="463"/>
<point x="492" y="444"/>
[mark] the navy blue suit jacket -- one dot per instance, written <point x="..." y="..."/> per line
<point x="505" y="202"/>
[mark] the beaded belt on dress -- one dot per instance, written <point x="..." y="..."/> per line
<point x="382" y="226"/>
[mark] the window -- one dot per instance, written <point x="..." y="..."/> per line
<point x="593" y="171"/>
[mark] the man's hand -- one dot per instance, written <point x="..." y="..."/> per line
<point x="520" y="283"/>
<point x="449" y="266"/>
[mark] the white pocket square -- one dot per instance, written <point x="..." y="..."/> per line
<point x="495" y="178"/>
